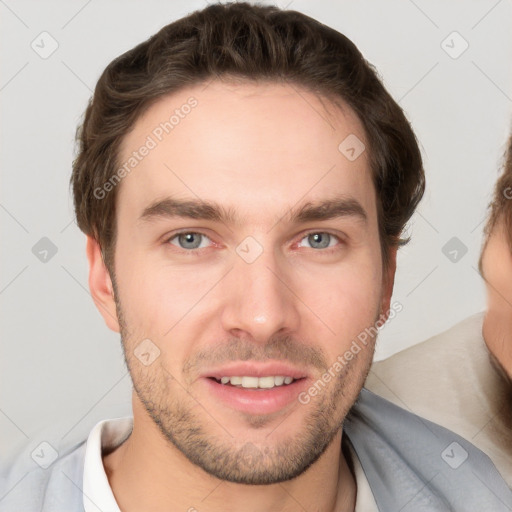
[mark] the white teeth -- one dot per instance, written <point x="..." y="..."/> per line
<point x="257" y="382"/>
<point x="250" y="382"/>
<point x="266" y="382"/>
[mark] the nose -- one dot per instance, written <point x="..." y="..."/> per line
<point x="259" y="299"/>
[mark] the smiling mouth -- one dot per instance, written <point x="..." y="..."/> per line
<point x="249" y="382"/>
<point x="256" y="394"/>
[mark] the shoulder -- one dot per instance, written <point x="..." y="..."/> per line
<point x="450" y="380"/>
<point x="459" y="341"/>
<point x="453" y="365"/>
<point x="52" y="486"/>
<point x="411" y="463"/>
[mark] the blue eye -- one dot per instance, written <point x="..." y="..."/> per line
<point x="188" y="240"/>
<point x="320" y="239"/>
<point x="193" y="241"/>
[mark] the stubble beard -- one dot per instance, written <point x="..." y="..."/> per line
<point x="206" y="442"/>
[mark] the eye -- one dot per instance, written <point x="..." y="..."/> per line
<point x="192" y="241"/>
<point x="321" y="240"/>
<point x="188" y="240"/>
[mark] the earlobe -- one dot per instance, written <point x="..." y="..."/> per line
<point x="100" y="285"/>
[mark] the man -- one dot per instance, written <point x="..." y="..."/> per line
<point x="461" y="378"/>
<point x="243" y="179"/>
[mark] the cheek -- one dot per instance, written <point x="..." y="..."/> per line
<point x="347" y="300"/>
<point x="160" y="299"/>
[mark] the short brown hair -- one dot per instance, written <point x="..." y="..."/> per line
<point x="252" y="42"/>
<point x="501" y="204"/>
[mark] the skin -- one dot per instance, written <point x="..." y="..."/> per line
<point x="260" y="149"/>
<point x="496" y="268"/>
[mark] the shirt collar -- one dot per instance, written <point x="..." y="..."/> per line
<point x="105" y="436"/>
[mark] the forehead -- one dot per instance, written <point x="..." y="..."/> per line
<point x="246" y="144"/>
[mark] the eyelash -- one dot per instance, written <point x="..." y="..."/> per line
<point x="198" y="252"/>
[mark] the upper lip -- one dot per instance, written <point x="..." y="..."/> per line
<point x="255" y="369"/>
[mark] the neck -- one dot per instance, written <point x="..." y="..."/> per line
<point x="147" y="472"/>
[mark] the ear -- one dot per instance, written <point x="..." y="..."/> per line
<point x="388" y="282"/>
<point x="100" y="284"/>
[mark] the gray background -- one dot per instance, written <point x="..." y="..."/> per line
<point x="61" y="369"/>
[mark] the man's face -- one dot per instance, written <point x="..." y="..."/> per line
<point x="265" y="295"/>
<point x="496" y="267"/>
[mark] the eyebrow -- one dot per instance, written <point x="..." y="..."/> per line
<point x="209" y="210"/>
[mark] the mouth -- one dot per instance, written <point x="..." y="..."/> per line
<point x="250" y="382"/>
<point x="254" y="388"/>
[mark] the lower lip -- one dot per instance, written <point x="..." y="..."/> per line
<point x="257" y="401"/>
